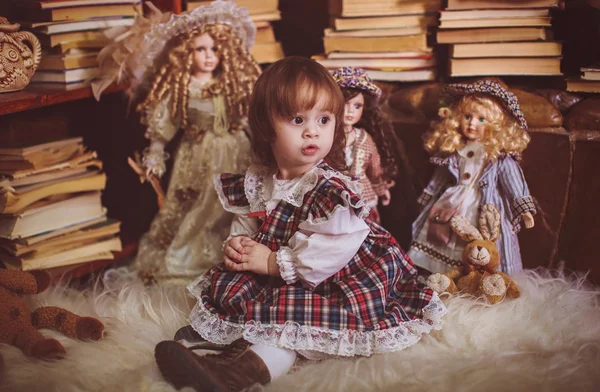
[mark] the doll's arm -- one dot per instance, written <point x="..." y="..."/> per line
<point x="514" y="187"/>
<point x="440" y="177"/>
<point x="161" y="130"/>
<point x="374" y="171"/>
<point x="320" y="249"/>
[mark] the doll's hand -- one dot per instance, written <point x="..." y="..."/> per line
<point x="386" y="198"/>
<point x="234" y="250"/>
<point x="256" y="258"/>
<point x="528" y="220"/>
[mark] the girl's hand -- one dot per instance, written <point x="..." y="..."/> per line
<point x="234" y="250"/>
<point x="528" y="220"/>
<point x="255" y="258"/>
<point x="386" y="198"/>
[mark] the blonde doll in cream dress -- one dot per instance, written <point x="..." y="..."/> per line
<point x="199" y="85"/>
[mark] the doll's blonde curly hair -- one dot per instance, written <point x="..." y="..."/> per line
<point x="235" y="76"/>
<point x="502" y="135"/>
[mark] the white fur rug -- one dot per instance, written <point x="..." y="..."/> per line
<point x="547" y="340"/>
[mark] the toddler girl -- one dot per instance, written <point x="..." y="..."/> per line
<point x="303" y="271"/>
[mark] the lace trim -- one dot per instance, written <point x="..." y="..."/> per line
<point x="245" y="210"/>
<point x="258" y="179"/>
<point x="196" y="86"/>
<point x="298" y="337"/>
<point x="287" y="268"/>
<point x="254" y="187"/>
<point x="155" y="161"/>
<point x="436" y="255"/>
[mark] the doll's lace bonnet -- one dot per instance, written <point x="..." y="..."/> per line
<point x="219" y="12"/>
<point x="356" y="78"/>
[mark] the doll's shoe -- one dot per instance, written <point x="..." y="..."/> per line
<point x="231" y="371"/>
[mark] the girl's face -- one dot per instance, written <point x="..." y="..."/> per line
<point x="303" y="140"/>
<point x="353" y="110"/>
<point x="206" y="58"/>
<point x="473" y="122"/>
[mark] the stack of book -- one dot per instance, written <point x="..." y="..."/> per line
<point x="263" y="13"/>
<point x="500" y="37"/>
<point x="69" y="33"/>
<point x="589" y="81"/>
<point x="386" y="37"/>
<point x="51" y="213"/>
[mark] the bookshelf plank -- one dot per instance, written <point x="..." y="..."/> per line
<point x="33" y="97"/>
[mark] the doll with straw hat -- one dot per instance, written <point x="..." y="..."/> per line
<point x="476" y="146"/>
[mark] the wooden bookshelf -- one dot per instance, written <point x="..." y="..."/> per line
<point x="33" y="97"/>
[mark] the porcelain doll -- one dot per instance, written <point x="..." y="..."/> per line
<point x="303" y="271"/>
<point x="192" y="74"/>
<point x="476" y="147"/>
<point x="369" y="151"/>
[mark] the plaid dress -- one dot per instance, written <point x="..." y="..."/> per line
<point x="373" y="304"/>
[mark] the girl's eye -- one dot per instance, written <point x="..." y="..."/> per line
<point x="297" y="120"/>
<point x="481" y="119"/>
<point x="324" y="120"/>
<point x="468" y="117"/>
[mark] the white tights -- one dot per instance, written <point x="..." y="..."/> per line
<point x="278" y="360"/>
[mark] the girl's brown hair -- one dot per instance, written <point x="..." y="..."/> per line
<point x="380" y="130"/>
<point x="287" y="87"/>
<point x="502" y="135"/>
<point x="235" y="75"/>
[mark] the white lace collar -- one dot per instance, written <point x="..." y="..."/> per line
<point x="475" y="147"/>
<point x="264" y="191"/>
<point x="197" y="86"/>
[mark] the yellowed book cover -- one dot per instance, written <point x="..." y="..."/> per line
<point x="384" y="22"/>
<point x="13" y="202"/>
<point x="375" y="44"/>
<point x="267" y="52"/>
<point x="73" y="256"/>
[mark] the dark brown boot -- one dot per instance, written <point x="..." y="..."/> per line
<point x="188" y="337"/>
<point x="233" y="370"/>
<point x="189" y="334"/>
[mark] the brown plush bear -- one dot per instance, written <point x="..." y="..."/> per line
<point x="479" y="275"/>
<point x="19" y="325"/>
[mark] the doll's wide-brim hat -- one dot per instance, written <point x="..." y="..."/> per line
<point x="454" y="92"/>
<point x="356" y="78"/>
<point x="219" y="12"/>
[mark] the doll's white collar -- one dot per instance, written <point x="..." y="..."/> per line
<point x="476" y="147"/>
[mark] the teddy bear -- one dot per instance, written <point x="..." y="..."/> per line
<point x="479" y="275"/>
<point x="19" y="325"/>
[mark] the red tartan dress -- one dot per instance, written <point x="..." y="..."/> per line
<point x="373" y="304"/>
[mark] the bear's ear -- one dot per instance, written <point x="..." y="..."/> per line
<point x="464" y="229"/>
<point x="489" y="222"/>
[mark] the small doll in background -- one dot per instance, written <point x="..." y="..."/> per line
<point x="192" y="73"/>
<point x="476" y="146"/>
<point x="369" y="152"/>
<point x="303" y="271"/>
